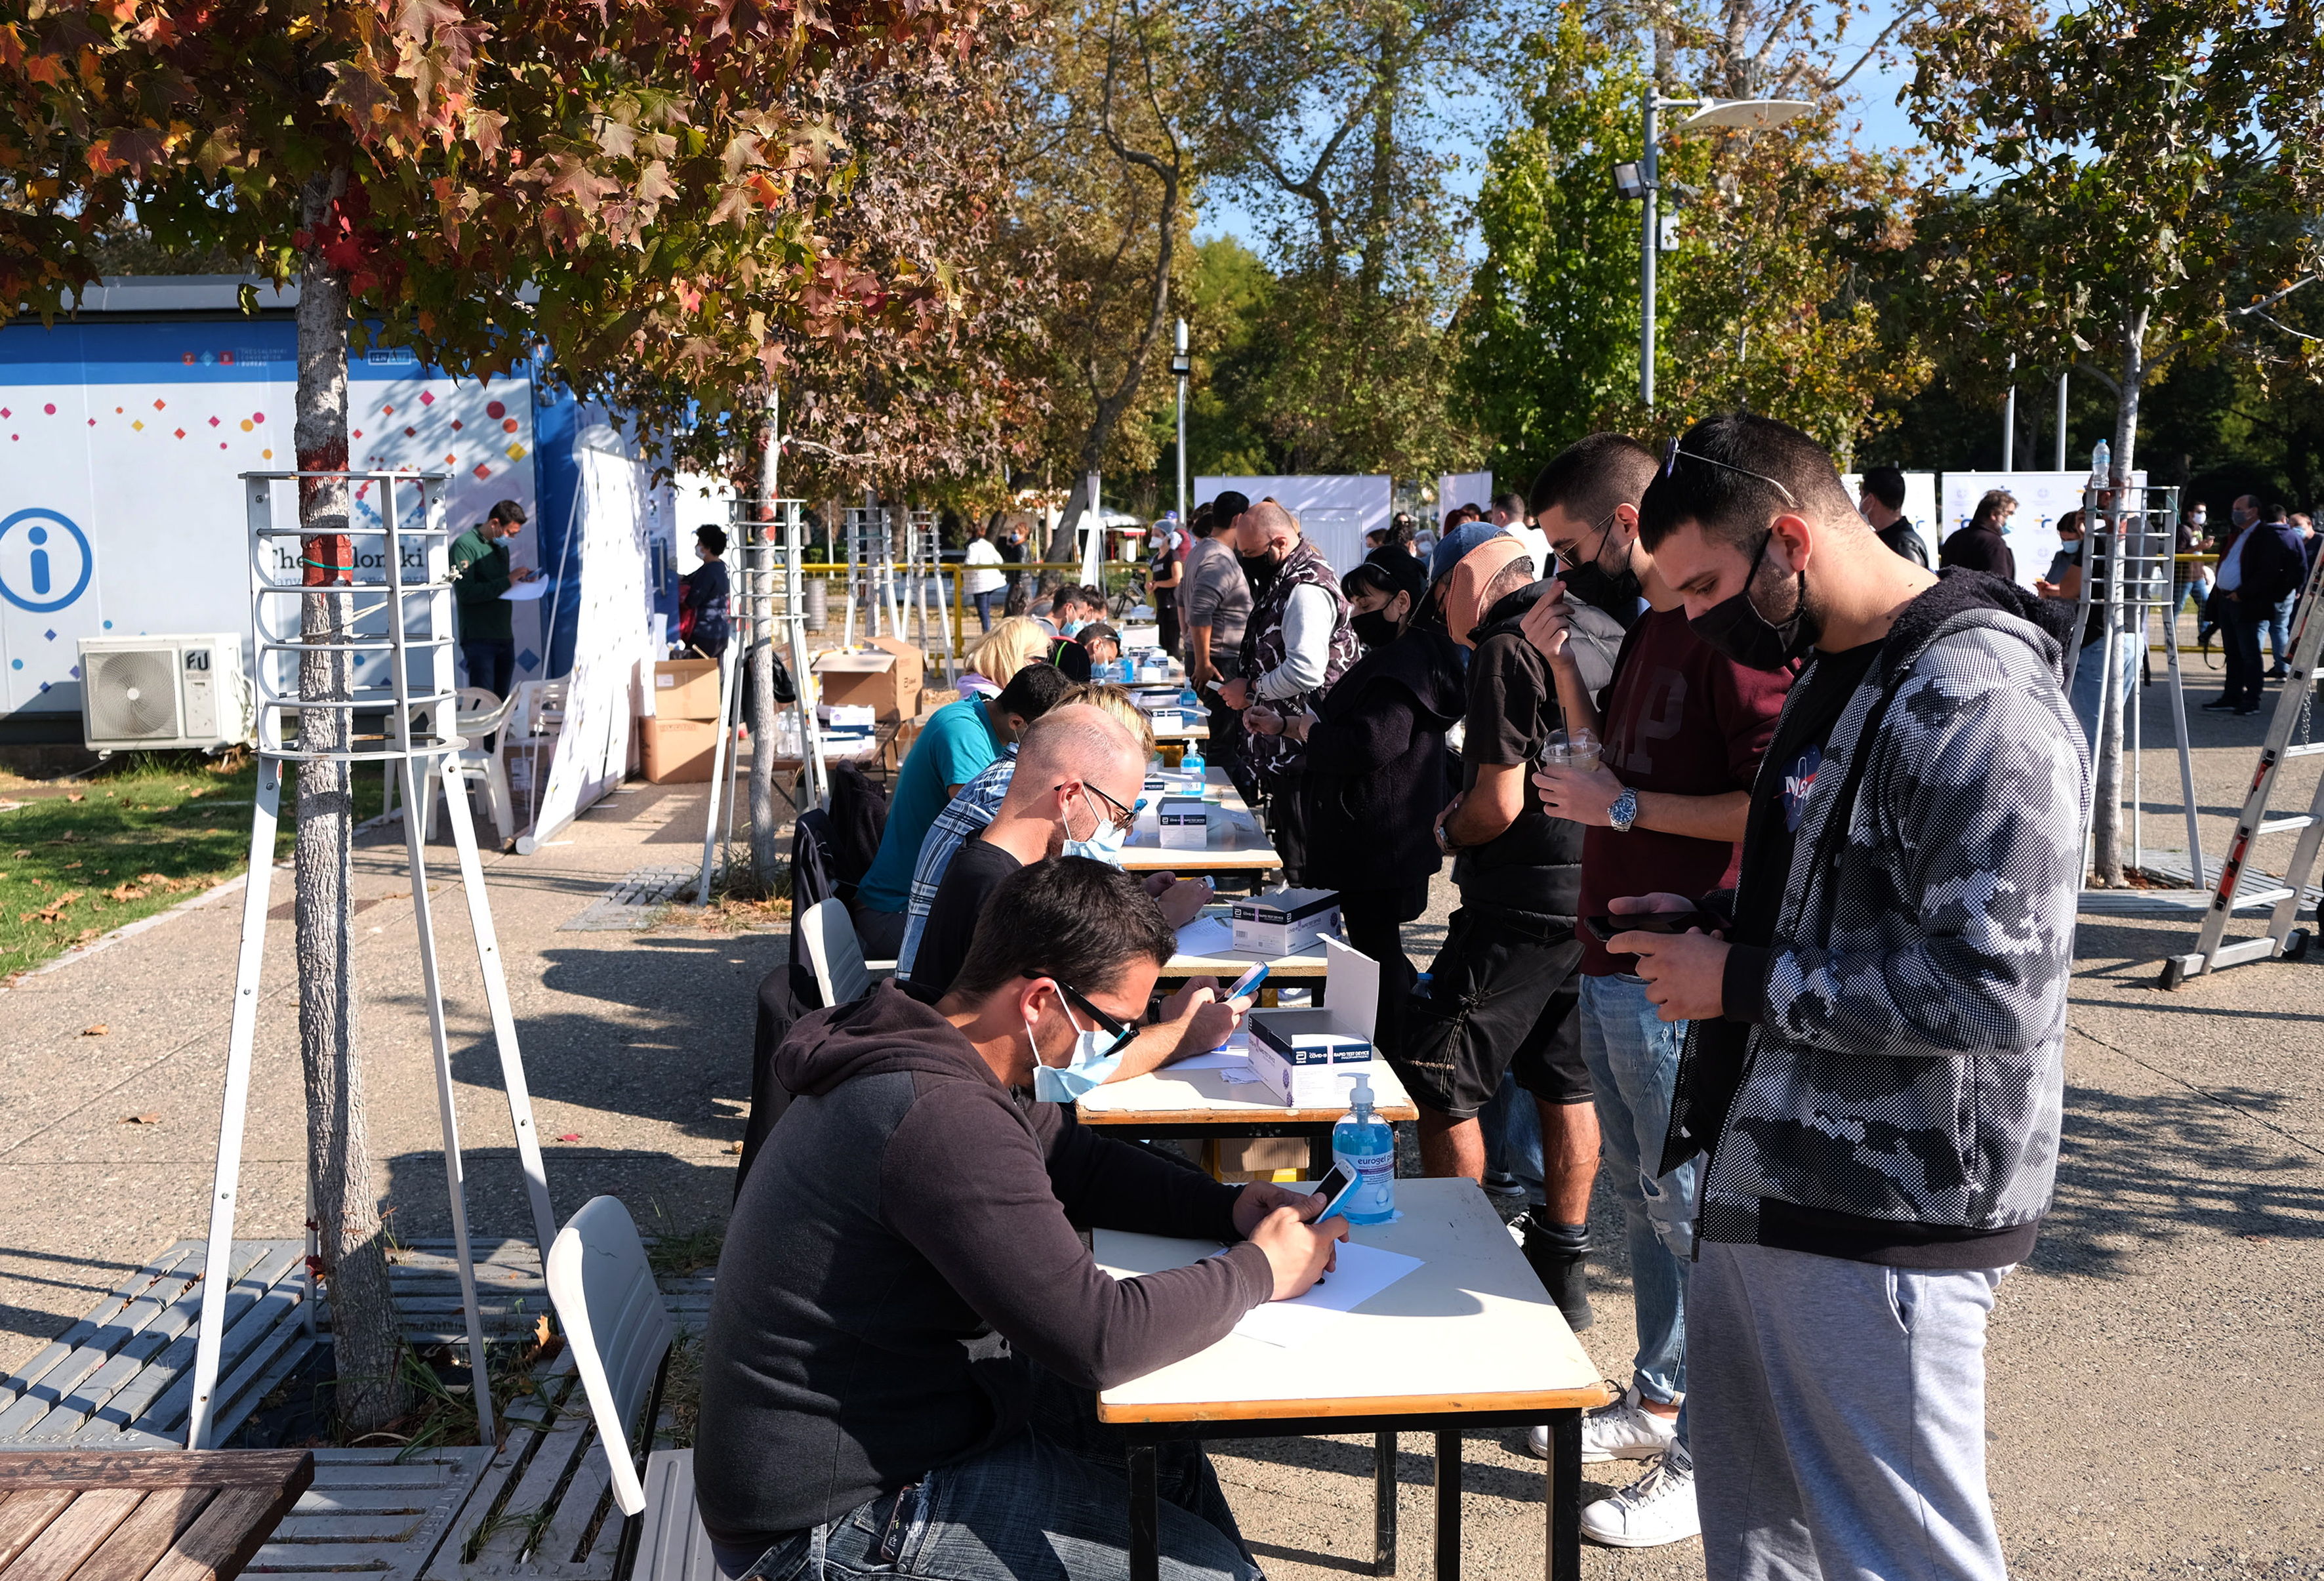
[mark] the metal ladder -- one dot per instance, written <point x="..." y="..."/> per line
<point x="2281" y="940"/>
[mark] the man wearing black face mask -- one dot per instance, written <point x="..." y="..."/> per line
<point x="1683" y="727"/>
<point x="1876" y="1070"/>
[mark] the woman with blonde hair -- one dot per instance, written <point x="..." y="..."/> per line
<point x="995" y="662"/>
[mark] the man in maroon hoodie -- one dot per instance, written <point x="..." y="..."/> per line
<point x="907" y="1325"/>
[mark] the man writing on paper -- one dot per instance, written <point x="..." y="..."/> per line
<point x="900" y="1358"/>
<point x="480" y="575"/>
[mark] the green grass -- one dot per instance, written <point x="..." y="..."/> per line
<point x="145" y="832"/>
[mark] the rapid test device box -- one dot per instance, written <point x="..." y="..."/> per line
<point x="1282" y="921"/>
<point x="1304" y="1058"/>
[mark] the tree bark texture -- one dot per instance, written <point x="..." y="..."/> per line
<point x="760" y="558"/>
<point x="2105" y="772"/>
<point x="366" y="1337"/>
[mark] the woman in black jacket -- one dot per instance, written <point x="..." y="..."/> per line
<point x="1375" y="771"/>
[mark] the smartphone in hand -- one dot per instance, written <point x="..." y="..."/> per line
<point x="1604" y="927"/>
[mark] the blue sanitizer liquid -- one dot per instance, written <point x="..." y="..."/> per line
<point x="1366" y="1144"/>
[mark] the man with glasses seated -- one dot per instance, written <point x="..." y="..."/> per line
<point x="897" y="1369"/>
<point x="1075" y="793"/>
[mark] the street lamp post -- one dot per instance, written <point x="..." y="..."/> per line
<point x="1640" y="180"/>
<point x="1182" y="365"/>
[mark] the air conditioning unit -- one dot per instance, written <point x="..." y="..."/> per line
<point x="161" y="693"/>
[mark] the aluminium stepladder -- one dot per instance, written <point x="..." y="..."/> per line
<point x="2281" y="941"/>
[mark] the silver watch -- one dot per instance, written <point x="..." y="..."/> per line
<point x="1624" y="812"/>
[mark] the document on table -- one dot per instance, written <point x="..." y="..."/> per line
<point x="1206" y="935"/>
<point x="1363" y="1273"/>
<point x="525" y="592"/>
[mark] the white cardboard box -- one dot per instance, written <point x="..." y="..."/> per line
<point x="1185" y="823"/>
<point x="1307" y="1057"/>
<point x="1281" y="921"/>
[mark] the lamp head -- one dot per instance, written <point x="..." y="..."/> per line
<point x="1628" y="182"/>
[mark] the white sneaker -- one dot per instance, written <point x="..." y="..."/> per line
<point x="1624" y="1430"/>
<point x="1656" y="1509"/>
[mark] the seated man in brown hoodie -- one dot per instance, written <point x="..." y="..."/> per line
<point x="907" y="1325"/>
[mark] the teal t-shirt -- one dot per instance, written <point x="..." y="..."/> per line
<point x="953" y="746"/>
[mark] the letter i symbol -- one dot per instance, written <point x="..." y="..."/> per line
<point x="40" y="535"/>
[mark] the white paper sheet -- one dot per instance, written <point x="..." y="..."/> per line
<point x="1225" y="1058"/>
<point x="1206" y="935"/>
<point x="1363" y="1273"/>
<point x="526" y="592"/>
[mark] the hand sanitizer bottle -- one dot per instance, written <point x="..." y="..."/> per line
<point x="1366" y="1144"/>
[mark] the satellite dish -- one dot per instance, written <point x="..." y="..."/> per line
<point x="1745" y="114"/>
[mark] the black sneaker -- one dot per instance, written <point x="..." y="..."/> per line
<point x="2246" y="713"/>
<point x="2220" y="706"/>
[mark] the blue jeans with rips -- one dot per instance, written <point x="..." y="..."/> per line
<point x="1633" y="1058"/>
<point x="1050" y="1504"/>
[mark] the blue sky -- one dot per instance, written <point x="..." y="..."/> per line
<point x="1874" y="91"/>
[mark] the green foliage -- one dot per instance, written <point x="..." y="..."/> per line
<point x="1550" y="331"/>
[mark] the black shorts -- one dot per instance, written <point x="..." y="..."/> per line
<point x="1501" y="998"/>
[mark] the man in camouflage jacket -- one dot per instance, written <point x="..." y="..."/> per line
<point x="1875" y="1062"/>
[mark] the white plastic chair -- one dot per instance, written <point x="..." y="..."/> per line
<point x="620" y="1334"/>
<point x="477" y="713"/>
<point x="841" y="973"/>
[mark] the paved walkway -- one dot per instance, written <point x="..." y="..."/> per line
<point x="2155" y="1398"/>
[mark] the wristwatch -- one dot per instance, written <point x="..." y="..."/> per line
<point x="1624" y="812"/>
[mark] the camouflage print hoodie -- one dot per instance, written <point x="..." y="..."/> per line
<point x="1908" y="1066"/>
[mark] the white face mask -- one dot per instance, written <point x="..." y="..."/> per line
<point x="1087" y="1066"/>
<point x="1105" y="841"/>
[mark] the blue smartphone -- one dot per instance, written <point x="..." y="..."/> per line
<point x="1247" y="984"/>
<point x="1335" y="1188"/>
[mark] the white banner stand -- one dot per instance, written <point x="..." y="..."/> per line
<point x="406" y="621"/>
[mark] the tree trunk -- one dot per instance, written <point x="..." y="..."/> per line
<point x="365" y="1338"/>
<point x="2106" y="780"/>
<point x="759" y="561"/>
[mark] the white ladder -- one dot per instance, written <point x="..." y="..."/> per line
<point x="2281" y="941"/>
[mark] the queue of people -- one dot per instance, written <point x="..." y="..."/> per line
<point x="1764" y="840"/>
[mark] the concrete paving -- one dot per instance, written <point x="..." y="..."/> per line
<point x="2154" y="1396"/>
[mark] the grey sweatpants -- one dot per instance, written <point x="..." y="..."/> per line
<point x="1837" y="1413"/>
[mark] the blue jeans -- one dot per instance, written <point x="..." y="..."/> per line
<point x="984" y="602"/>
<point x="2279" y="629"/>
<point x="1512" y="1127"/>
<point x="1052" y="1503"/>
<point x="2089" y="673"/>
<point x="1633" y="1059"/>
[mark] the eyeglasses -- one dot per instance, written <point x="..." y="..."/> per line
<point x="1568" y="556"/>
<point x="1123" y="1032"/>
<point x="1671" y="459"/>
<point x="1123" y="816"/>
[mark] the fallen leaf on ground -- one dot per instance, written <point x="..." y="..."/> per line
<point x="53" y="910"/>
<point x="69" y="866"/>
<point x="733" y="1146"/>
<point x="22" y="855"/>
<point x="570" y="1136"/>
<point x="140" y="1118"/>
<point x="96" y="1029"/>
<point x="86" y="934"/>
<point x="124" y="891"/>
<point x="76" y="795"/>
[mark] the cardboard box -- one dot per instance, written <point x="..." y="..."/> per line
<point x="684" y="688"/>
<point x="847" y="716"/>
<point x="1305" y="1058"/>
<point x="676" y="751"/>
<point x="1184" y="825"/>
<point x="1283" y="921"/>
<point x="886" y="678"/>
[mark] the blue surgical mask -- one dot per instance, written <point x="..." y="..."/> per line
<point x="1087" y="1068"/>
<point x="1104" y="844"/>
<point x="1072" y="628"/>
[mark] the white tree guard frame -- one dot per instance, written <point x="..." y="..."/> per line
<point x="402" y="623"/>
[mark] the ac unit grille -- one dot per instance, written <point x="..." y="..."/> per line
<point x="133" y="695"/>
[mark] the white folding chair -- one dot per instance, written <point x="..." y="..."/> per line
<point x="841" y="973"/>
<point x="620" y="1334"/>
<point x="477" y="713"/>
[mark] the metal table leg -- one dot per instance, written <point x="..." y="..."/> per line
<point x="1384" y="1504"/>
<point x="1562" y="1559"/>
<point x="1448" y="1507"/>
<point x="1144" y="1515"/>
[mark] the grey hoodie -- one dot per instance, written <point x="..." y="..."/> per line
<point x="904" y="1246"/>
<point x="1907" y="1069"/>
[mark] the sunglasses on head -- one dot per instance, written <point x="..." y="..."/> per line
<point x="1671" y="459"/>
